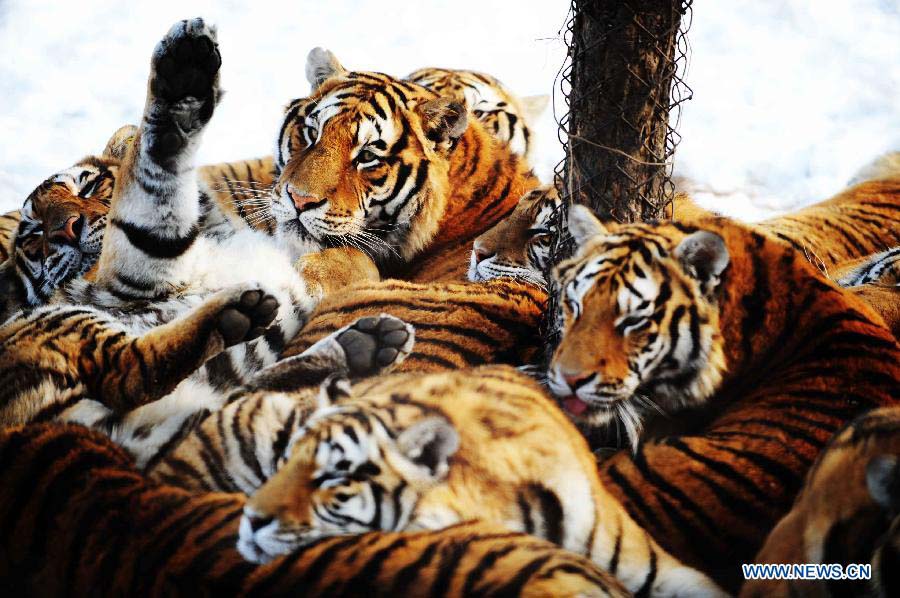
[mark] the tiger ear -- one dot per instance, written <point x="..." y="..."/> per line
<point x="534" y="106"/>
<point x="583" y="225"/>
<point x="119" y="143"/>
<point x="443" y="119"/>
<point x="883" y="481"/>
<point x="332" y="390"/>
<point x="427" y="445"/>
<point x="321" y="65"/>
<point x="704" y="256"/>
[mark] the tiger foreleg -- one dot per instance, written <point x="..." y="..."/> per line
<point x="152" y="365"/>
<point x="369" y="346"/>
<point x="155" y="213"/>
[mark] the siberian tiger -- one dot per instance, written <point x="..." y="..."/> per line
<point x="57" y="234"/>
<point x="430" y="451"/>
<point x="848" y="512"/>
<point x="392" y="168"/>
<point x="504" y="115"/>
<point x="518" y="245"/>
<point x="754" y="359"/>
<point x="79" y="519"/>
<point x="115" y="351"/>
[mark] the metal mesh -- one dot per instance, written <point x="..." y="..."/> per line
<point x="622" y="86"/>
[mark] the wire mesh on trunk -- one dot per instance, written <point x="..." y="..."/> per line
<point x="622" y="88"/>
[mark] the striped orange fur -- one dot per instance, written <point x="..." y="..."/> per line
<point x="77" y="518"/>
<point x="802" y="357"/>
<point x="457" y="325"/>
<point x="391" y="167"/>
<point x="846" y="513"/>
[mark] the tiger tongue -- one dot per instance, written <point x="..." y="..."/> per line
<point x="574" y="405"/>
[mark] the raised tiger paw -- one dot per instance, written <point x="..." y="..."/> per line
<point x="375" y="344"/>
<point x="246" y="315"/>
<point x="184" y="85"/>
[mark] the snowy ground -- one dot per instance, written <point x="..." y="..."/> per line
<point x="790" y="98"/>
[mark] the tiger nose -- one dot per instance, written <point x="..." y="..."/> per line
<point x="69" y="230"/>
<point x="257" y="522"/>
<point x="576" y="380"/>
<point x="481" y="254"/>
<point x="302" y="201"/>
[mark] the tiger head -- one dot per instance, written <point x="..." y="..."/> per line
<point x="348" y="471"/>
<point x="507" y="117"/>
<point x="639" y="321"/>
<point x="63" y="220"/>
<point x="519" y="245"/>
<point x="364" y="161"/>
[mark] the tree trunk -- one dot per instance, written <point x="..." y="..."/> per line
<point x="622" y="67"/>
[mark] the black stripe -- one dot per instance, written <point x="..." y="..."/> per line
<point x="152" y="244"/>
<point x="484" y="565"/>
<point x="515" y="585"/>
<point x="451" y="555"/>
<point x="647" y="587"/>
<point x="361" y="583"/>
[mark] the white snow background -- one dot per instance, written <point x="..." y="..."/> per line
<point x="790" y="98"/>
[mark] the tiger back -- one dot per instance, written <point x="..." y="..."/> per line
<point x="857" y="222"/>
<point x="79" y="519"/>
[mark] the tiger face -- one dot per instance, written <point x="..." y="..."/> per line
<point x="61" y="232"/>
<point x="364" y="161"/>
<point x="347" y="472"/>
<point x="519" y="245"/>
<point x="640" y="322"/>
<point x="504" y="115"/>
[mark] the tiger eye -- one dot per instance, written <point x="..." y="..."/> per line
<point x="366" y="156"/>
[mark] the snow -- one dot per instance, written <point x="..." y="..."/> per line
<point x="790" y="98"/>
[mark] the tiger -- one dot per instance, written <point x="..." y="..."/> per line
<point x="848" y="512"/>
<point x="123" y="351"/>
<point x="239" y="190"/>
<point x="57" y="234"/>
<point x="728" y="360"/>
<point x="392" y="168"/>
<point x="502" y="114"/>
<point x="59" y="231"/>
<point x="428" y="451"/>
<point x="518" y="246"/>
<point x="456" y="325"/>
<point x="78" y="518"/>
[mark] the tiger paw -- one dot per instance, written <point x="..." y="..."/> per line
<point x="246" y="316"/>
<point x="184" y="83"/>
<point x="375" y="344"/>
